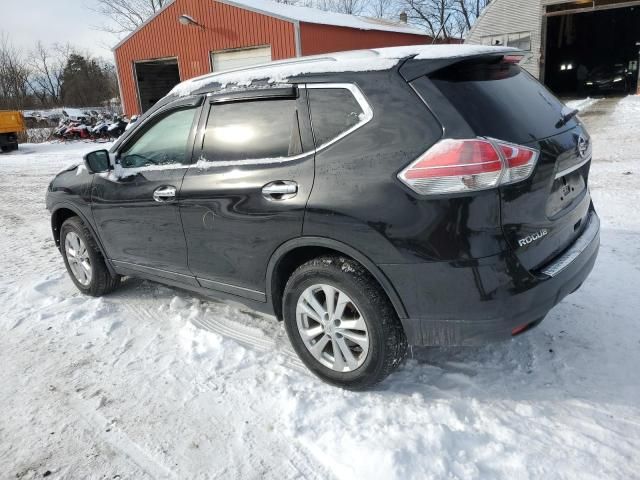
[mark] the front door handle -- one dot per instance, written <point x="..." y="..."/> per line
<point x="280" y="190"/>
<point x="164" y="194"/>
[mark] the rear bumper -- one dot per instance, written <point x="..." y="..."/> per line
<point x="480" y="301"/>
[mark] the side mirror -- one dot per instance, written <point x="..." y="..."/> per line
<point x="98" y="161"/>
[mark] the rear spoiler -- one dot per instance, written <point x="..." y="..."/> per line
<point x="412" y="68"/>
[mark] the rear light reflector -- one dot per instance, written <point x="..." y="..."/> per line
<point x="522" y="328"/>
<point x="519" y="162"/>
<point x="515" y="59"/>
<point x="456" y="166"/>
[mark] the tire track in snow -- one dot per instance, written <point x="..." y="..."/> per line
<point x="248" y="336"/>
<point x="300" y="461"/>
<point x="118" y="440"/>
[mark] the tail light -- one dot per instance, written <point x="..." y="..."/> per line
<point x="458" y="166"/>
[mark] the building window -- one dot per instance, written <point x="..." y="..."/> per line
<point x="494" y="40"/>
<point x="521" y="41"/>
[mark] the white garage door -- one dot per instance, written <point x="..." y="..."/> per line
<point x="240" y="58"/>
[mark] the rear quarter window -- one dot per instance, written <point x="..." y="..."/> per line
<point x="334" y="111"/>
<point x="501" y="100"/>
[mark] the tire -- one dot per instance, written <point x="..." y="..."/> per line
<point x="100" y="281"/>
<point x="368" y="304"/>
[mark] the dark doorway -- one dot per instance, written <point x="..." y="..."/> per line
<point x="593" y="52"/>
<point x="155" y="79"/>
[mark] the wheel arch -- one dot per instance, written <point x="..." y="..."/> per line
<point x="61" y="212"/>
<point x="293" y="253"/>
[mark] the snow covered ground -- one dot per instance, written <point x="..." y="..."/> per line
<point x="153" y="382"/>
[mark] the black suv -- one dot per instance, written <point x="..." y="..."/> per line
<point x="426" y="195"/>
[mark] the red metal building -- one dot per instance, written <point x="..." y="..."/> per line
<point x="188" y="38"/>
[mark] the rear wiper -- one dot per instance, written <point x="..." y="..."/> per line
<point x="566" y="115"/>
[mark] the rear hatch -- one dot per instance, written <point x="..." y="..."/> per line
<point x="542" y="215"/>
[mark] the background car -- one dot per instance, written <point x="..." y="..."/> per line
<point x="608" y="78"/>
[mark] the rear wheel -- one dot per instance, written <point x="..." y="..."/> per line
<point x="341" y="323"/>
<point x="83" y="259"/>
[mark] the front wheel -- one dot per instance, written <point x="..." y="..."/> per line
<point x="83" y="259"/>
<point x="341" y="323"/>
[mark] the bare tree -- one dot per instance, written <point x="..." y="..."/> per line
<point x="127" y="15"/>
<point x="444" y="18"/>
<point x="51" y="76"/>
<point x="47" y="67"/>
<point x="434" y="15"/>
<point x="382" y="9"/>
<point x="14" y="75"/>
<point x="468" y="11"/>
<point x="351" y="7"/>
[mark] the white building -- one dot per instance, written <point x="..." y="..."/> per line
<point x="563" y="35"/>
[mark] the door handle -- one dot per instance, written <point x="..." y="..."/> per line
<point x="164" y="194"/>
<point x="280" y="190"/>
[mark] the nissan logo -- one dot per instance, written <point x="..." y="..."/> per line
<point x="583" y="146"/>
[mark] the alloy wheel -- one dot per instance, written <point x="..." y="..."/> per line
<point x="78" y="258"/>
<point x="332" y="328"/>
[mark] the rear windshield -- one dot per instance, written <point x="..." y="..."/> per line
<point x="501" y="100"/>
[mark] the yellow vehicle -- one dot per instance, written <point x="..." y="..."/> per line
<point x="11" y="123"/>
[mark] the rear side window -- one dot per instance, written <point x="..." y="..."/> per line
<point x="333" y="112"/>
<point x="252" y="130"/>
<point x="501" y="100"/>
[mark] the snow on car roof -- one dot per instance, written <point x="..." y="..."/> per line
<point x="313" y="15"/>
<point x="350" y="61"/>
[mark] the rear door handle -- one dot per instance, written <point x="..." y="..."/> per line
<point x="164" y="194"/>
<point x="280" y="190"/>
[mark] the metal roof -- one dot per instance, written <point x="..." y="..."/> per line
<point x="295" y="14"/>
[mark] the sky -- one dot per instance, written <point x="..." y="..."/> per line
<point x="55" y="21"/>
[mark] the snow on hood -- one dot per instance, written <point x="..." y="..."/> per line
<point x="351" y="61"/>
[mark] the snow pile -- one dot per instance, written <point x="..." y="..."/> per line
<point x="154" y="382"/>
<point x="582" y="104"/>
<point x="615" y="175"/>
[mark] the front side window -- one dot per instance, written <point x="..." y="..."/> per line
<point x="253" y="129"/>
<point x="333" y="112"/>
<point x="164" y="143"/>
